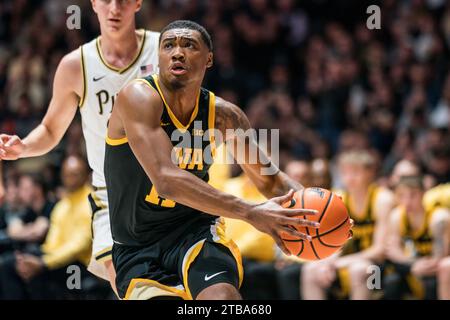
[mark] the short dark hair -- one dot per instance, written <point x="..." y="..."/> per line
<point x="411" y="182"/>
<point x="187" y="24"/>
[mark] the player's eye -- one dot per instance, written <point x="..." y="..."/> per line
<point x="189" y="45"/>
<point x="168" y="45"/>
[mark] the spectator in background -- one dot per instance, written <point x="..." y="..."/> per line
<point x="300" y="170"/>
<point x="418" y="240"/>
<point x="32" y="226"/>
<point x="10" y="209"/>
<point x="321" y="175"/>
<point x="344" y="275"/>
<point x="42" y="274"/>
<point x="326" y="81"/>
<point x="440" y="116"/>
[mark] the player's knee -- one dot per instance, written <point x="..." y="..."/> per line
<point x="219" y="291"/>
<point x="444" y="269"/>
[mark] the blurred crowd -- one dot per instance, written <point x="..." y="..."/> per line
<point x="311" y="69"/>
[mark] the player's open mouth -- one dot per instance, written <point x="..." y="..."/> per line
<point x="114" y="20"/>
<point x="178" y="69"/>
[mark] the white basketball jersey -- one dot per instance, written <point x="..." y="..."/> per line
<point x="102" y="83"/>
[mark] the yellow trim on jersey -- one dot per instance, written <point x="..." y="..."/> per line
<point x="344" y="281"/>
<point x="145" y="82"/>
<point x="172" y="116"/>
<point x="403" y="222"/>
<point x="415" y="234"/>
<point x="416" y="286"/>
<point x="116" y="142"/>
<point x="97" y="201"/>
<point x="364" y="214"/>
<point x="83" y="71"/>
<point x="219" y="228"/>
<point x="218" y="237"/>
<point x="146" y="289"/>
<point x="120" y="70"/>
<point x="211" y="122"/>
<point x="105" y="258"/>
<point x="232" y="246"/>
<point x="191" y="255"/>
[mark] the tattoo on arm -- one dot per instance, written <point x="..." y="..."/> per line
<point x="229" y="116"/>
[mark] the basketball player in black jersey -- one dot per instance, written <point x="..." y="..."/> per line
<point x="165" y="218"/>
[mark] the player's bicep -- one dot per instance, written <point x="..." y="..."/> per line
<point x="140" y="111"/>
<point x="64" y="102"/>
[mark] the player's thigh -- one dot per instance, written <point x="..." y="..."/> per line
<point x="101" y="226"/>
<point x="214" y="264"/>
<point x="140" y="275"/>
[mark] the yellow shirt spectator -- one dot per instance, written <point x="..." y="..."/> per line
<point x="69" y="237"/>
<point x="252" y="243"/>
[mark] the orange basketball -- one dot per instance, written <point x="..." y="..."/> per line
<point x="335" y="228"/>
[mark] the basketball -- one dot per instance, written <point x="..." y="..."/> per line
<point x="334" y="221"/>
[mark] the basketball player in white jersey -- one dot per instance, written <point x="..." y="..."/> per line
<point x="90" y="78"/>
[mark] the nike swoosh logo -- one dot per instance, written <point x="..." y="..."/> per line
<point x="207" y="278"/>
<point x="99" y="78"/>
<point x="165" y="124"/>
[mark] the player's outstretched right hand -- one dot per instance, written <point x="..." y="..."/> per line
<point x="270" y="217"/>
<point x="11" y="147"/>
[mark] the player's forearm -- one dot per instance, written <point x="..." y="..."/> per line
<point x="372" y="253"/>
<point x="39" y="141"/>
<point x="187" y="189"/>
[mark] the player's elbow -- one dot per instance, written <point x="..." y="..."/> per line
<point x="165" y="183"/>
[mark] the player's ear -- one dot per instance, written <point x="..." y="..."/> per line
<point x="210" y="62"/>
<point x="93" y="3"/>
<point x="138" y="5"/>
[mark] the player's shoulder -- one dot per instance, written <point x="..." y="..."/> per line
<point x="140" y="88"/>
<point x="69" y="73"/>
<point x="151" y="33"/>
<point x="224" y="105"/>
<point x="152" y="36"/>
<point x="140" y="93"/>
<point x="229" y="115"/>
<point x="226" y="109"/>
<point x="72" y="60"/>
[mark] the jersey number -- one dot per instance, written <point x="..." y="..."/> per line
<point x="154" y="198"/>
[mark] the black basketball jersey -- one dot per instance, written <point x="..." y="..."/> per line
<point x="138" y="215"/>
<point x="363" y="227"/>
<point x="417" y="243"/>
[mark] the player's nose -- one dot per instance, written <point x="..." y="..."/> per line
<point x="178" y="54"/>
<point x="114" y="7"/>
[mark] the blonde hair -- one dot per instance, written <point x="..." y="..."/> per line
<point x="358" y="157"/>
